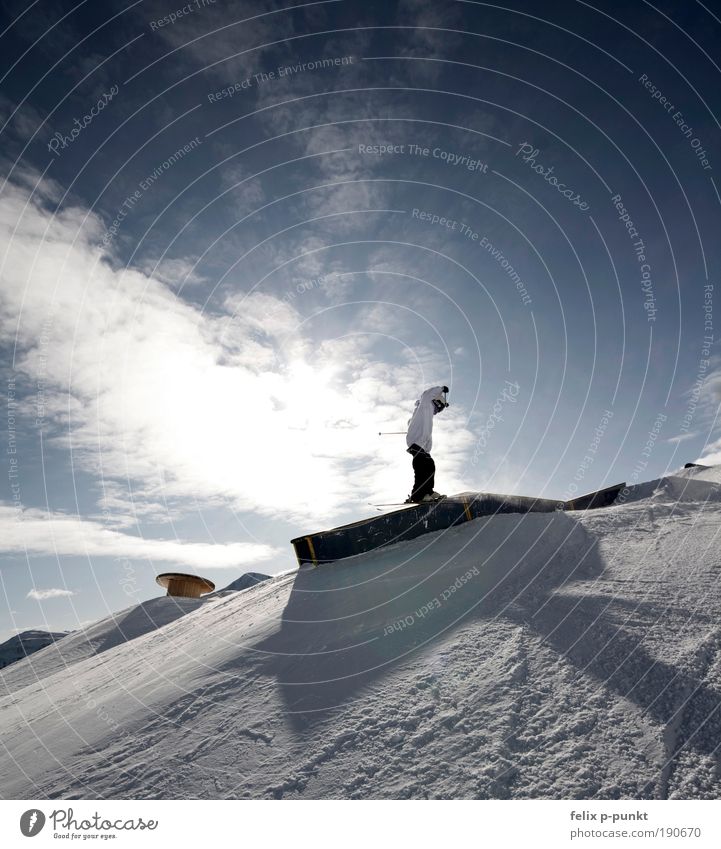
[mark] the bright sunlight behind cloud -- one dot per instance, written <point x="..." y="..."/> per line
<point x="233" y="406"/>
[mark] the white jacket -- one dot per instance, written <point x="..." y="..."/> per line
<point x="420" y="424"/>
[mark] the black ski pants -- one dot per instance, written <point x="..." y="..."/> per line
<point x="424" y="470"/>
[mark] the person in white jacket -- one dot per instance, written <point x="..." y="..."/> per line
<point x="419" y="440"/>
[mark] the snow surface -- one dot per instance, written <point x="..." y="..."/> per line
<point x="24" y="644"/>
<point x="562" y="655"/>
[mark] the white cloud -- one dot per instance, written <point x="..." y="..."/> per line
<point x="238" y="407"/>
<point x="38" y="532"/>
<point x="682" y="437"/>
<point x="42" y="595"/>
<point x="176" y="273"/>
<point x="711" y="455"/>
<point x="123" y="506"/>
<point x="704" y="401"/>
<point x="24" y="121"/>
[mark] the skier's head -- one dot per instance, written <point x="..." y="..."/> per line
<point x="440" y="402"/>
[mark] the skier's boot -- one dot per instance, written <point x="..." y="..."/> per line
<point x="425" y="499"/>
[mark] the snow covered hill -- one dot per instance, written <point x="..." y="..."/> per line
<point x="244" y="582"/>
<point x="113" y="630"/>
<point x="561" y="655"/>
<point x="24" y="644"/>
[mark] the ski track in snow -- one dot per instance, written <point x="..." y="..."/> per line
<point x="583" y="660"/>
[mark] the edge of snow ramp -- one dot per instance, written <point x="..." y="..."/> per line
<point x="672" y="488"/>
<point x="410" y="522"/>
<point x="593" y="500"/>
<point x="344" y="629"/>
<point x="695" y="482"/>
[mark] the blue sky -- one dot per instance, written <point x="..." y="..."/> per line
<point x="239" y="239"/>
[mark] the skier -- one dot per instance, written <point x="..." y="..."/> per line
<point x="419" y="442"/>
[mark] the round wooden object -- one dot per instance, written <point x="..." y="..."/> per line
<point x="185" y="586"/>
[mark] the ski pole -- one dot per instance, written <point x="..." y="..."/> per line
<point x="389" y="432"/>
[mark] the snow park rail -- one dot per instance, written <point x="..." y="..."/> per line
<point x="410" y="522"/>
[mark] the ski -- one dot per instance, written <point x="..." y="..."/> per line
<point x="406" y="503"/>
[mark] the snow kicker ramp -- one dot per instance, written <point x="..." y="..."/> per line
<point x="410" y="522"/>
<point x="539" y="655"/>
<point x="250" y="677"/>
<point x="697" y="484"/>
<point x="693" y="483"/>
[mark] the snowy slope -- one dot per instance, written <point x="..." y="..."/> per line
<point x="118" y="628"/>
<point x="24" y="644"/>
<point x="519" y="656"/>
<point x="113" y="630"/>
